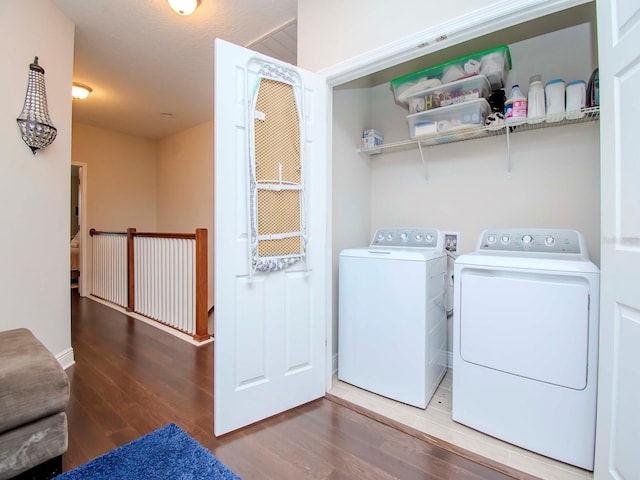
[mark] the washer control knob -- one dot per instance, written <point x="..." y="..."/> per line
<point x="527" y="239"/>
<point x="404" y="237"/>
<point x="491" y="239"/>
<point x="505" y="239"/>
<point x="390" y="237"/>
<point x="418" y="237"/>
<point x="380" y="236"/>
<point x="549" y="241"/>
<point x="429" y="237"/>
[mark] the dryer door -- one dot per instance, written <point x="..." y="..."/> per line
<point x="526" y="324"/>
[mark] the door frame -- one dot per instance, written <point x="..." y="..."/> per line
<point x="486" y="20"/>
<point x="83" y="285"/>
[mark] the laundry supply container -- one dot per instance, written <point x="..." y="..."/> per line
<point x="459" y="91"/>
<point x="453" y="119"/>
<point x="554" y="92"/>
<point x="494" y="64"/>
<point x="576" y="98"/>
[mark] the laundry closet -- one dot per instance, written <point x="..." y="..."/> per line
<point x="547" y="177"/>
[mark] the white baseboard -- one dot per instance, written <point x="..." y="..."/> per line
<point x="153" y="323"/>
<point x="66" y="358"/>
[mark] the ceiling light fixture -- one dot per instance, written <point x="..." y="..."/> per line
<point x="80" y="91"/>
<point x="184" y="7"/>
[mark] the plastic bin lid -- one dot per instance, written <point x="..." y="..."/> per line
<point x="420" y="73"/>
<point x="477" y="80"/>
<point x="555" y="80"/>
<point x="576" y="82"/>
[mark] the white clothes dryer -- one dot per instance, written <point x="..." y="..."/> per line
<point x="392" y="332"/>
<point x="525" y="324"/>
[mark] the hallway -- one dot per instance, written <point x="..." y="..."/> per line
<point x="131" y="378"/>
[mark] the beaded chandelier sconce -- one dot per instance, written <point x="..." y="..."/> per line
<point x="36" y="127"/>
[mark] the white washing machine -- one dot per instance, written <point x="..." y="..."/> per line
<point x="392" y="332"/>
<point x="525" y="323"/>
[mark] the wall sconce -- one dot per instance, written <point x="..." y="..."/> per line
<point x="80" y="91"/>
<point x="184" y="7"/>
<point x="34" y="122"/>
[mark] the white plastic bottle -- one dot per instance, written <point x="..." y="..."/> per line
<point x="515" y="108"/>
<point x="535" y="100"/>
<point x="554" y="92"/>
<point x="575" y="99"/>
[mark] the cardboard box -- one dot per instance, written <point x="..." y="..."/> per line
<point x="371" y="138"/>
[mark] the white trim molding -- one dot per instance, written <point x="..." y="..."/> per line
<point x="483" y="21"/>
<point x="65" y="358"/>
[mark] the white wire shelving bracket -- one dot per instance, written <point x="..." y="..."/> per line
<point x="585" y="115"/>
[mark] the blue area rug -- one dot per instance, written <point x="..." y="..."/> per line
<point x="167" y="453"/>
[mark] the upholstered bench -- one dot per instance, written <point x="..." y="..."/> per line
<point x="34" y="391"/>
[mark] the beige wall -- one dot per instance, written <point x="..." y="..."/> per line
<point x="122" y="178"/>
<point x="121" y="182"/>
<point x="358" y="26"/>
<point x="153" y="185"/>
<point x="185" y="185"/>
<point x="34" y="189"/>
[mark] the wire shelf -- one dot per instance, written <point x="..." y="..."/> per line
<point x="547" y="121"/>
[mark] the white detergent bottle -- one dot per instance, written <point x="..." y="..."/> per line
<point x="515" y="108"/>
<point x="535" y="101"/>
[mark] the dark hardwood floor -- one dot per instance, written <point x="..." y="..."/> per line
<point x="130" y="378"/>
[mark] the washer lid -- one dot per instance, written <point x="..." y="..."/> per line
<point x="381" y="253"/>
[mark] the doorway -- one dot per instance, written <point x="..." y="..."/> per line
<point x="79" y="231"/>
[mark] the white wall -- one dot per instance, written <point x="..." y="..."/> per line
<point x="358" y="26"/>
<point x="34" y="190"/>
<point x="185" y="185"/>
<point x="554" y="184"/>
<point x="556" y="173"/>
<point x="351" y="180"/>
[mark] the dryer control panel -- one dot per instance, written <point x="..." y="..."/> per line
<point x="529" y="240"/>
<point x="408" y="238"/>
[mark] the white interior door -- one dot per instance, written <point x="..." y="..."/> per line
<point x="618" y="427"/>
<point x="269" y="329"/>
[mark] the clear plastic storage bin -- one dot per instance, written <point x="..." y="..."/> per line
<point x="460" y="91"/>
<point x="449" y="120"/>
<point x="494" y="64"/>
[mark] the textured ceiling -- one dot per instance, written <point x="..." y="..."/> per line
<point x="151" y="70"/>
